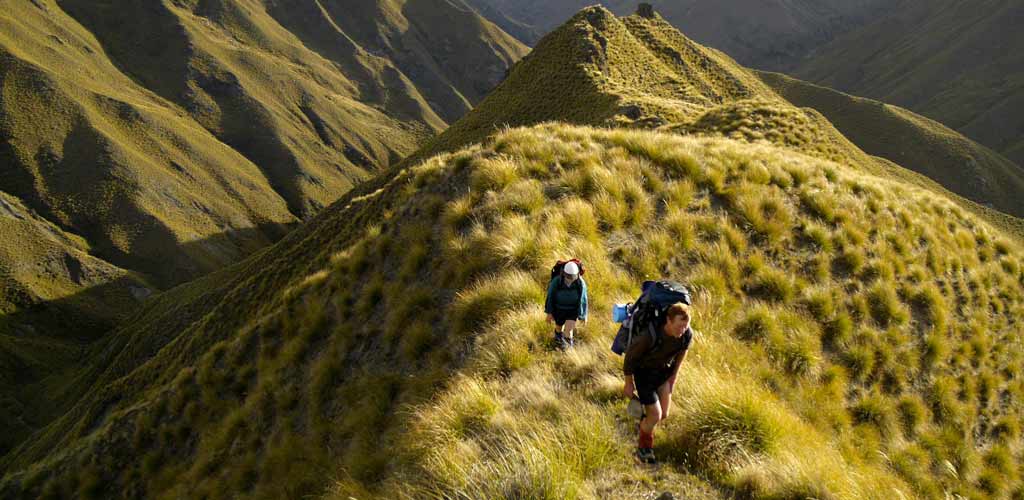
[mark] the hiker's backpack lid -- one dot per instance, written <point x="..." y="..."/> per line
<point x="664" y="293"/>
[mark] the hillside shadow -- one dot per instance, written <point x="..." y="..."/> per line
<point x="44" y="345"/>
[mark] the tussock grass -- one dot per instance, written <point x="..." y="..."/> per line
<point x="841" y="389"/>
<point x="886" y="307"/>
<point x="876" y="410"/>
<point x="490" y="296"/>
<point x="724" y="434"/>
<point x="769" y="283"/>
<point x="493" y="174"/>
<point x="765" y="210"/>
<point x="733" y="434"/>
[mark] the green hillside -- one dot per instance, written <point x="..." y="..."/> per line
<point x="182" y="121"/>
<point x="636" y="72"/>
<point x="46" y="319"/>
<point x="959" y="63"/>
<point x="143" y="145"/>
<point x="857" y="333"/>
<point x="832" y="360"/>
<point x="954" y="62"/>
<point x="915" y="142"/>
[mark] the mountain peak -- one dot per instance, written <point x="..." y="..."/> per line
<point x="636" y="71"/>
<point x="596" y="15"/>
<point x="645" y="10"/>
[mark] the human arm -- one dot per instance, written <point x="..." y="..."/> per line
<point x="675" y="369"/>
<point x="678" y="361"/>
<point x="631" y="361"/>
<point x="629" y="387"/>
<point x="583" y="301"/>
<point x="549" y="301"/>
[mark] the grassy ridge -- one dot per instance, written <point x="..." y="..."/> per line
<point x="857" y="332"/>
<point x="957" y="63"/>
<point x="632" y="71"/>
<point x="152" y="144"/>
<point x="45" y="319"/>
<point x="639" y="72"/>
<point x="833" y="360"/>
<point x="915" y="142"/>
<point x="921" y="56"/>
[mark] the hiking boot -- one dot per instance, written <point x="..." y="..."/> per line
<point x="570" y="342"/>
<point x="560" y="342"/>
<point x="646" y="455"/>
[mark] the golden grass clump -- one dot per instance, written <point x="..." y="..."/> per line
<point x="482" y="302"/>
<point x="493" y="174"/>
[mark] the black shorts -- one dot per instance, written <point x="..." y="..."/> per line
<point x="647" y="384"/>
<point x="562" y="316"/>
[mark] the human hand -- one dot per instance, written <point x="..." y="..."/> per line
<point x="550" y="319"/>
<point x="628" y="389"/>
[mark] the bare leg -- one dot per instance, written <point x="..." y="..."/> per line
<point x="665" y="399"/>
<point x="652" y="415"/>
<point x="570" y="327"/>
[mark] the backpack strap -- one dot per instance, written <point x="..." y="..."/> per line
<point x="653" y="332"/>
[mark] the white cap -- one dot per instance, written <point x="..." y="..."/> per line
<point x="571" y="269"/>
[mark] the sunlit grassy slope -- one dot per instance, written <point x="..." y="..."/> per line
<point x="639" y="72"/>
<point x="146" y="128"/>
<point x="167" y="139"/>
<point x="955" y="62"/>
<point x="857" y="337"/>
<point x="959" y="63"/>
<point x="915" y="142"/>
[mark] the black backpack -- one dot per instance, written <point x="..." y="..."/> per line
<point x="648" y="311"/>
<point x="556" y="270"/>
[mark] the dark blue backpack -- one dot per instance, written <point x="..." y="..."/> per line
<point x="655" y="298"/>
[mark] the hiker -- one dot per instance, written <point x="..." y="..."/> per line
<point x="566" y="302"/>
<point x="651" y="364"/>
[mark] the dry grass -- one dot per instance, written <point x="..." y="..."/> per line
<point x="792" y="389"/>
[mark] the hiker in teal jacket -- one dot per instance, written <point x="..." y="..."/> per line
<point x="566" y="303"/>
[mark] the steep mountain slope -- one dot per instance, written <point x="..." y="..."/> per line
<point x="955" y="62"/>
<point x="857" y="334"/>
<point x="639" y="71"/>
<point x="960" y="63"/>
<point x="915" y="142"/>
<point x="828" y="343"/>
<point x="146" y="144"/>
<point x="183" y="121"/>
<point x="643" y="72"/>
<point x="54" y="299"/>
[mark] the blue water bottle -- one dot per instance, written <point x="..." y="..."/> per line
<point x="620" y="312"/>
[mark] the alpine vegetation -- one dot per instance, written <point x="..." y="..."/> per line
<point x="822" y="381"/>
<point x="851" y="334"/>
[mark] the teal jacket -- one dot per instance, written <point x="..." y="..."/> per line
<point x="567" y="297"/>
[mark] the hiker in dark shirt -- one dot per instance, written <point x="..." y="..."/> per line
<point x="651" y="365"/>
<point x="566" y="303"/>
